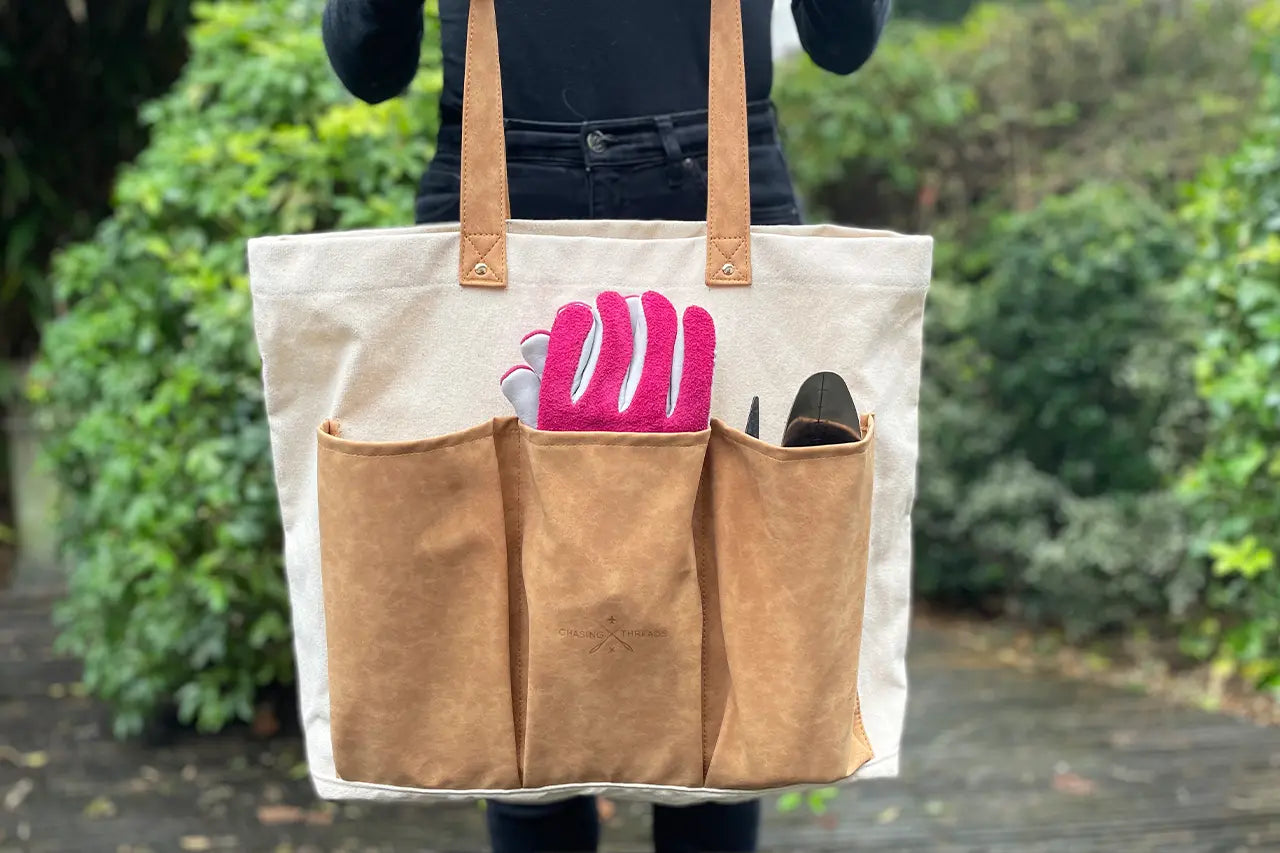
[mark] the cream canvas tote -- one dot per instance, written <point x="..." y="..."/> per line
<point x="426" y="669"/>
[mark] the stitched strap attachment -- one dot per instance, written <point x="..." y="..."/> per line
<point x="485" y="207"/>
<point x="728" y="173"/>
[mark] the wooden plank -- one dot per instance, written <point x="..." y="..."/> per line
<point x="995" y="760"/>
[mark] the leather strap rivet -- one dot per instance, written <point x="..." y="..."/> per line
<point x="726" y="270"/>
<point x="481" y="268"/>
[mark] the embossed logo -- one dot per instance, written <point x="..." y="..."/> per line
<point x="613" y="635"/>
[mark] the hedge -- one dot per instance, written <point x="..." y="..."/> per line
<point x="150" y="384"/>
<point x="1054" y="413"/>
<point x="1234" y="489"/>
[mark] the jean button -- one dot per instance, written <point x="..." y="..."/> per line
<point x="597" y="142"/>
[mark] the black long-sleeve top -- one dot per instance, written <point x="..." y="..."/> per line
<point x="588" y="60"/>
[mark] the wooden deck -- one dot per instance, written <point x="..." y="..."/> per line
<point x="996" y="760"/>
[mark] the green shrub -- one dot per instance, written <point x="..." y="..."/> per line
<point x="1086" y="564"/>
<point x="71" y="81"/>
<point x="932" y="10"/>
<point x="151" y="382"/>
<point x="1234" y="211"/>
<point x="1086" y="354"/>
<point x="949" y="126"/>
<point x="1057" y="402"/>
<point x="70" y="86"/>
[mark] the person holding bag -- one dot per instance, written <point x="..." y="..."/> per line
<point x="605" y="102"/>
<point x="606" y="118"/>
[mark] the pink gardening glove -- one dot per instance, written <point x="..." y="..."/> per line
<point x="628" y="366"/>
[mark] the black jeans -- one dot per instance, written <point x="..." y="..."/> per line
<point x="651" y="168"/>
<point x="571" y="826"/>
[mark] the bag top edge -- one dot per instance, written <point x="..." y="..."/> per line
<point x="600" y="228"/>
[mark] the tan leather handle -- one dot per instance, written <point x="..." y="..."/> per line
<point x="485" y="209"/>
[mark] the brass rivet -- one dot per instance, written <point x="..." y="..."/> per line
<point x="727" y="269"/>
<point x="481" y="268"/>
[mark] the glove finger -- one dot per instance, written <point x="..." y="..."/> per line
<point x="534" y="350"/>
<point x="590" y="355"/>
<point x="520" y="385"/>
<point x="696" y="353"/>
<point x="662" y="327"/>
<point x="604" y="386"/>
<point x="566" y="350"/>
<point x="635" y="368"/>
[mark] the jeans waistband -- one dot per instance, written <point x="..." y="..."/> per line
<point x="635" y="141"/>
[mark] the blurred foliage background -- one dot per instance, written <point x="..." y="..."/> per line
<point x="70" y="87"/>
<point x="1101" y="405"/>
<point x="71" y="83"/>
<point x="149" y="384"/>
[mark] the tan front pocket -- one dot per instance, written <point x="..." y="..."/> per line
<point x="788" y="534"/>
<point x="614" y="610"/>
<point x="511" y="608"/>
<point x="414" y="566"/>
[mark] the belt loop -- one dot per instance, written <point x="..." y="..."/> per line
<point x="671" y="147"/>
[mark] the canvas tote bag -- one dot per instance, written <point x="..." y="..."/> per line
<point x="482" y="609"/>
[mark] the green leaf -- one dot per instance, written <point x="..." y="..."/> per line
<point x="790" y="801"/>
